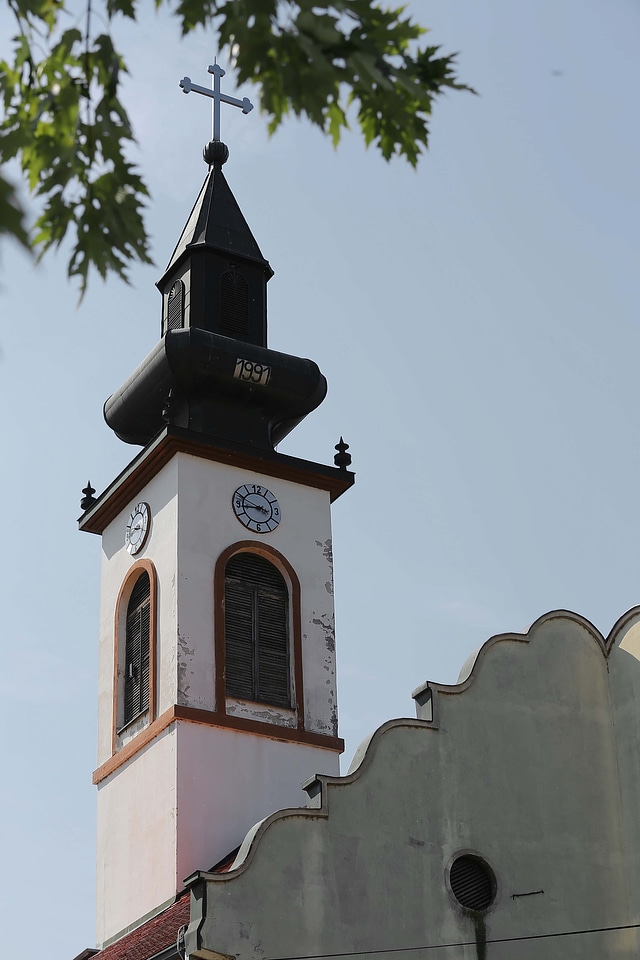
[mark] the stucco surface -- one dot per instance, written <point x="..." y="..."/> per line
<point x="530" y="763"/>
<point x="206" y="527"/>
<point x="166" y="813"/>
<point x="161" y="549"/>
<point x="227" y="780"/>
<point x="136" y="847"/>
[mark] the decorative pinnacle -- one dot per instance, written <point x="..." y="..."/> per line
<point x="218" y="97"/>
<point x="88" y="500"/>
<point x="342" y="459"/>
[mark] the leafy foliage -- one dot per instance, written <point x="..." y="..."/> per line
<point x="64" y="123"/>
<point x="11" y="216"/>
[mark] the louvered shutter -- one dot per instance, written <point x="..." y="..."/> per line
<point x="145" y="623"/>
<point x="175" y="307"/>
<point x="136" y="676"/>
<point x="234" y="305"/>
<point x="239" y="639"/>
<point x="256" y="631"/>
<point x="132" y="666"/>
<point x="273" y="648"/>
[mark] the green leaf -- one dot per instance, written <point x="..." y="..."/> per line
<point x="65" y="124"/>
<point x="11" y="214"/>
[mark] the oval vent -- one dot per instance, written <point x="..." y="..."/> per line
<point x="472" y="882"/>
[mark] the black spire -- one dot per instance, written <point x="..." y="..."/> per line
<point x="217" y="277"/>
<point x="212" y="372"/>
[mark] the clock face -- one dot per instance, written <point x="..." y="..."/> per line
<point x="256" y="508"/>
<point x="137" y="528"/>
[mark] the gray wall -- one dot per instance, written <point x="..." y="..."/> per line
<point x="531" y="763"/>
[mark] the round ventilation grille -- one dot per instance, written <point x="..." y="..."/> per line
<point x="472" y="882"/>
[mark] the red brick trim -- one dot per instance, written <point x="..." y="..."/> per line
<point x="274" y="731"/>
<point x="176" y="440"/>
<point x="214" y="719"/>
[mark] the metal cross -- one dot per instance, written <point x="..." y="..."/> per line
<point x="217" y="96"/>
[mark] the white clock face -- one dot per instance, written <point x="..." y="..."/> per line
<point x="256" y="508"/>
<point x="137" y="528"/>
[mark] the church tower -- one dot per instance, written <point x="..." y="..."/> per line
<point x="217" y="686"/>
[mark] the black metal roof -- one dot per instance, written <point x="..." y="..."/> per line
<point x="216" y="221"/>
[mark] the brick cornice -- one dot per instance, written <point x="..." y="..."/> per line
<point x="272" y="731"/>
<point x="173" y="440"/>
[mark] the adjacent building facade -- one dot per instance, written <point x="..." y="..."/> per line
<point x="501" y="823"/>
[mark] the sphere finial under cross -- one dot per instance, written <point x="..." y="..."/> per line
<point x="215" y="152"/>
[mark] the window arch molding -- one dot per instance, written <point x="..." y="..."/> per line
<point x="119" y="645"/>
<point x="295" y="637"/>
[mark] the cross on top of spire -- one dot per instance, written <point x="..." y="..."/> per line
<point x="217" y="96"/>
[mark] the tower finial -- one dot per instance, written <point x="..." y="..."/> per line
<point x="342" y="459"/>
<point x="214" y="154"/>
<point x="88" y="499"/>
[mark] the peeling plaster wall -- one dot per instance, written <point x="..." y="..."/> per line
<point x="161" y="548"/>
<point x="319" y="644"/>
<point x="207" y="525"/>
<point x="531" y="763"/>
<point x="246" y="708"/>
<point x="192" y="523"/>
<point x="224" y="780"/>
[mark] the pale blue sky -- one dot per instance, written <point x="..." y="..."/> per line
<point x="477" y="321"/>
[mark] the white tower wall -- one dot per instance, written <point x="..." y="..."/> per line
<point x="178" y="790"/>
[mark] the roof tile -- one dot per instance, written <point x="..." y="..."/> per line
<point x="151" y="937"/>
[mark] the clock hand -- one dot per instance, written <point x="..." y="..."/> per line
<point x="256" y="506"/>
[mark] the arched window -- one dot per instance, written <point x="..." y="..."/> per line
<point x="234" y="305"/>
<point x="137" y="648"/>
<point x="256" y="620"/>
<point x="175" y="307"/>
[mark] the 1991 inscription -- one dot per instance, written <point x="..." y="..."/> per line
<point x="251" y="371"/>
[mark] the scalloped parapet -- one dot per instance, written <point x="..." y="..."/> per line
<point x="530" y="764"/>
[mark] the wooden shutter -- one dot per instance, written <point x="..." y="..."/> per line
<point x="136" y="666"/>
<point x="256" y="631"/>
<point x="239" y="639"/>
<point x="145" y="623"/>
<point x="273" y="648"/>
